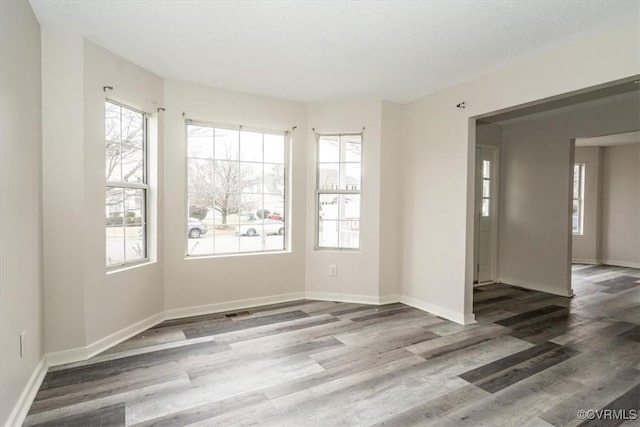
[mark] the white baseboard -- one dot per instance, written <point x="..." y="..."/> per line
<point x="84" y="353"/>
<point x="585" y="261"/>
<point x="534" y="286"/>
<point x="465" y="319"/>
<point x="177" y="313"/>
<point x="619" y="263"/>
<point x="354" y="298"/>
<point x="21" y="408"/>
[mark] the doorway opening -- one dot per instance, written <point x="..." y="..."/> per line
<point x="527" y="212"/>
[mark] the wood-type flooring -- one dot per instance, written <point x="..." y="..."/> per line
<point x="532" y="359"/>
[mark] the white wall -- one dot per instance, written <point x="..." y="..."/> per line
<point x="82" y="303"/>
<point x="259" y="278"/>
<point x="536" y="183"/>
<point x="621" y="205"/>
<point x="586" y="246"/>
<point x="358" y="275"/>
<point x="390" y="264"/>
<point x="489" y="134"/>
<point x="20" y="202"/>
<point x="116" y="300"/>
<point x="438" y="159"/>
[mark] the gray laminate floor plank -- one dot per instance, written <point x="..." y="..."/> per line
<point x="532" y="359"/>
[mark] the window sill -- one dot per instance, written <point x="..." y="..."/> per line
<point x="127" y="267"/>
<point x="338" y="250"/>
<point x="238" y="254"/>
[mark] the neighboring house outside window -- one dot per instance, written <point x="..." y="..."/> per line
<point x="236" y="190"/>
<point x="338" y="191"/>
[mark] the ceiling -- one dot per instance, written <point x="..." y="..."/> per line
<point x="622" y="91"/>
<point x="610" y="140"/>
<point x="313" y="51"/>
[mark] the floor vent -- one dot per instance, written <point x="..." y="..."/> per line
<point x="238" y="314"/>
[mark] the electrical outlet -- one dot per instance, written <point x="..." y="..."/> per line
<point x="333" y="270"/>
<point x="22" y="343"/>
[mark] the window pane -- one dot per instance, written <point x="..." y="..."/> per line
<point x="350" y="179"/>
<point x="251" y="209"/>
<point x="274" y="205"/>
<point x="486" y="188"/>
<point x="486" y="169"/>
<point x="114" y="226"/>
<point x="113" y="162"/>
<point x="328" y="233"/>
<point x="329" y="149"/>
<point x="134" y="225"/>
<point x="200" y="142"/>
<point x="274" y="148"/>
<point x="226" y="178"/>
<point x="226" y="144"/>
<point x="350" y="234"/>
<point x="352" y="150"/>
<point x="350" y="207"/>
<point x="328" y="206"/>
<point x="251" y="147"/>
<point x="485" y="207"/>
<point x="244" y="211"/>
<point x="226" y="242"/>
<point x="274" y="179"/>
<point x="132" y="164"/>
<point x="251" y="178"/>
<point x="328" y="176"/>
<point x="200" y="246"/>
<point x="132" y="128"/>
<point x="200" y="173"/>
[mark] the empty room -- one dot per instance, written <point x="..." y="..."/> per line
<point x="319" y="213"/>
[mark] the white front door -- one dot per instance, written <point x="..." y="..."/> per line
<point x="486" y="211"/>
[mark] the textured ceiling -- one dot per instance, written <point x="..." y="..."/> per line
<point x="312" y="51"/>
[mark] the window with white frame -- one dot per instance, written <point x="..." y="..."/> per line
<point x="126" y="184"/>
<point x="577" y="217"/>
<point x="338" y="191"/>
<point x="237" y="190"/>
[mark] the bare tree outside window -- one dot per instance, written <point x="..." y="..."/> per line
<point x="126" y="185"/>
<point x="236" y="189"/>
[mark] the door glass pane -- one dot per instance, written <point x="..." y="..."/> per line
<point x="485" y="207"/>
<point x="486" y="188"/>
<point x="575" y="217"/>
<point x="486" y="169"/>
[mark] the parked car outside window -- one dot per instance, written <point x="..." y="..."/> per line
<point x="196" y="228"/>
<point x="270" y="226"/>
